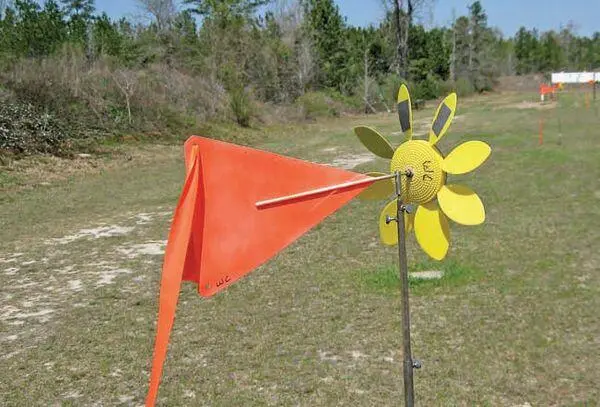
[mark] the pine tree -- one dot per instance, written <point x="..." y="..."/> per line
<point x="225" y="8"/>
<point x="80" y="14"/>
<point x="106" y="37"/>
<point x="83" y="8"/>
<point x="326" y="28"/>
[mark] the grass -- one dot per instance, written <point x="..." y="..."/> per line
<point x="385" y="279"/>
<point x="514" y="321"/>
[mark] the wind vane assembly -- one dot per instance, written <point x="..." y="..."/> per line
<point x="240" y="206"/>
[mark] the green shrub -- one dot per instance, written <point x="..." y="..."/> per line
<point x="390" y="85"/>
<point x="345" y="102"/>
<point x="26" y="130"/>
<point x="316" y="104"/>
<point x="427" y="89"/>
<point x="241" y="106"/>
<point x="447" y="87"/>
<point x="483" y="83"/>
<point x="462" y="87"/>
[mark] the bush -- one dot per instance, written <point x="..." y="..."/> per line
<point x="390" y="85"/>
<point x="462" y="87"/>
<point x="316" y="104"/>
<point x="241" y="106"/>
<point x="26" y="130"/>
<point x="96" y="97"/>
<point x="343" y="102"/>
<point x="427" y="89"/>
<point x="483" y="83"/>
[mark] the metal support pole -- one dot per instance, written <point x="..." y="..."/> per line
<point x="409" y="392"/>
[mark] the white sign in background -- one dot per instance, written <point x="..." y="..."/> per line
<point x="575" y="77"/>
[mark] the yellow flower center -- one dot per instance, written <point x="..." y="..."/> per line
<point x="425" y="162"/>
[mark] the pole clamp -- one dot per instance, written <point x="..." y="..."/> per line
<point x="408" y="208"/>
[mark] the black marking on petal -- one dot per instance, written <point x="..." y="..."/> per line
<point x="404" y="115"/>
<point x="441" y="119"/>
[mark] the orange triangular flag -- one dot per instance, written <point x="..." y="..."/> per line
<point x="219" y="233"/>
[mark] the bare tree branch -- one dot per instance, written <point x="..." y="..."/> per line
<point x="126" y="81"/>
<point x="162" y="11"/>
<point x="403" y="13"/>
<point x="306" y="64"/>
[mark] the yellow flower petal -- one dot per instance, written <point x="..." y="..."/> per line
<point x="431" y="230"/>
<point x="466" y="157"/>
<point x="389" y="231"/>
<point x="378" y="190"/>
<point x="374" y="142"/>
<point x="442" y="119"/>
<point x="461" y="204"/>
<point x="405" y="111"/>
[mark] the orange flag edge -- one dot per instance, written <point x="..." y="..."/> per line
<point x="173" y="266"/>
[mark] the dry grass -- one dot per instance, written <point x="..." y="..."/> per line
<point x="516" y="322"/>
<point x="45" y="170"/>
<point x="100" y="98"/>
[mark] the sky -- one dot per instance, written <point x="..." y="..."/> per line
<point x="507" y="15"/>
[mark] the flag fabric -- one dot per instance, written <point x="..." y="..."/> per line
<point x="218" y="233"/>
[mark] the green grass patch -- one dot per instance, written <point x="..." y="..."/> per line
<point x="7" y="179"/>
<point x="386" y="279"/>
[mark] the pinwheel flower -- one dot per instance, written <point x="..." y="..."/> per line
<point x="426" y="189"/>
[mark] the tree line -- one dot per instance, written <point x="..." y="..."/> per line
<point x="239" y="53"/>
